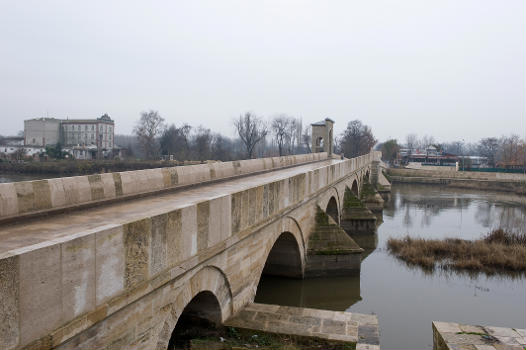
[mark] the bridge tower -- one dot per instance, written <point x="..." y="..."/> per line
<point x="322" y="136"/>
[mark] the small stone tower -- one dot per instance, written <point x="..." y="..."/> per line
<point x="322" y="138"/>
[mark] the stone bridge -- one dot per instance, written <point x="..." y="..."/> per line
<point x="114" y="260"/>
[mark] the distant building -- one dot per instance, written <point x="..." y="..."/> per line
<point x="98" y="132"/>
<point x="322" y="136"/>
<point x="42" y="132"/>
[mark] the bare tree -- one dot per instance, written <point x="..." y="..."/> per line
<point x="202" y="142"/>
<point x="411" y="141"/>
<point x="251" y="130"/>
<point x="281" y="128"/>
<point x="488" y="147"/>
<point x="148" y="128"/>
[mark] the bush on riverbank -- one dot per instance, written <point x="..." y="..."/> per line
<point x="499" y="251"/>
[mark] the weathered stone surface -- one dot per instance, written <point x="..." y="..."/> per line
<point x="450" y="336"/>
<point x="307" y="322"/>
<point x="40" y="292"/>
<point x="78" y="276"/>
<point x="9" y="302"/>
<point x="137" y="240"/>
<point x="110" y="263"/>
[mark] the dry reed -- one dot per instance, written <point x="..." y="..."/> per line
<point x="499" y="251"/>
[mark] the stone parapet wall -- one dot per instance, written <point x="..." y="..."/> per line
<point x="30" y="197"/>
<point x="52" y="291"/>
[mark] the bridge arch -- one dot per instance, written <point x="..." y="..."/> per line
<point x="354" y="188"/>
<point x="285" y="257"/>
<point x="330" y="201"/>
<point x="206" y="295"/>
<point x="332" y="209"/>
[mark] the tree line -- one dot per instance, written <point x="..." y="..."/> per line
<point x="255" y="137"/>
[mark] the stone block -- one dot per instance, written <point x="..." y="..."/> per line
<point x="76" y="190"/>
<point x="78" y="276"/>
<point x="158" y="245"/>
<point x="108" y="185"/>
<point x="189" y="229"/>
<point x="8" y="200"/>
<point x="40" y="292"/>
<point x="25" y="195"/>
<point x="137" y="241"/>
<point x="174" y="238"/>
<point x="9" y="303"/>
<point x="203" y="216"/>
<point x="58" y="197"/>
<point x="110" y="264"/>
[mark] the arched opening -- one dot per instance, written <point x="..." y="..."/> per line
<point x="332" y="210"/>
<point x="366" y="178"/>
<point x="354" y="188"/>
<point x="201" y="315"/>
<point x="284" y="258"/>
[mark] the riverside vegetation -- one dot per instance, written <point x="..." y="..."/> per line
<point x="498" y="252"/>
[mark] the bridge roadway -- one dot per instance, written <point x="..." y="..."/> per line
<point x="115" y="260"/>
<point x="20" y="235"/>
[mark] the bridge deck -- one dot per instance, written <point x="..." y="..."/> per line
<point x="43" y="229"/>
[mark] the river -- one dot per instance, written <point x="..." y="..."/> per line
<point x="406" y="299"/>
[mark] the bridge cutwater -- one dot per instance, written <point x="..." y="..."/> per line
<point x="113" y="260"/>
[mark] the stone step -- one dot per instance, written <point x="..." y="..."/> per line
<point x="339" y="326"/>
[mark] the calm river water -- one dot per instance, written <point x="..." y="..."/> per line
<point x="406" y="299"/>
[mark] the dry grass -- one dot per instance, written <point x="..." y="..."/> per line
<point x="499" y="251"/>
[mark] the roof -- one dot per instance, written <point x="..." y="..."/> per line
<point x="323" y="122"/>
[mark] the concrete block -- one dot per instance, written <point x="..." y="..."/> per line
<point x="110" y="264"/>
<point x="40" y="293"/>
<point x="9" y="303"/>
<point x="78" y="276"/>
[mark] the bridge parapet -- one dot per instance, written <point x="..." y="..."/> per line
<point x="32" y="197"/>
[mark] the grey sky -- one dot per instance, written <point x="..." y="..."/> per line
<point x="451" y="69"/>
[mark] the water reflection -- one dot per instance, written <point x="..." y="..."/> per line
<point x="334" y="293"/>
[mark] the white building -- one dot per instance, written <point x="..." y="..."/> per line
<point x="98" y="132"/>
<point x="41" y="132"/>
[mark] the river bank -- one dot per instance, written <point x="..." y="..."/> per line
<point x="504" y="182"/>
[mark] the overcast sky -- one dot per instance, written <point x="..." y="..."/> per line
<point x="454" y="69"/>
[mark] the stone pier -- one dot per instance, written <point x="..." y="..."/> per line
<point x="453" y="336"/>
<point x="336" y="326"/>
<point x="331" y="251"/>
<point x="356" y="217"/>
